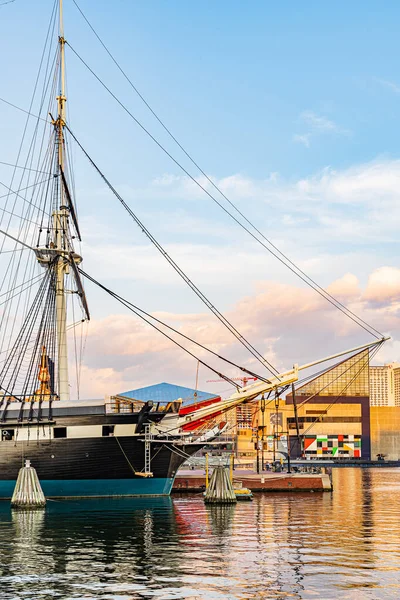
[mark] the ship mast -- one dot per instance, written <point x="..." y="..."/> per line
<point x="47" y="317"/>
<point x="60" y="223"/>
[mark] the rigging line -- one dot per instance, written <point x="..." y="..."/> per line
<point x="374" y="351"/>
<point x="18" y="217"/>
<point x="37" y="277"/>
<point x="249" y="347"/>
<point x="75" y="324"/>
<point x="25" y="168"/>
<point x="41" y="340"/>
<point x="294" y="268"/>
<point x="136" y="312"/>
<point x="20" y="292"/>
<point x="23" y="338"/>
<point x="10" y="191"/>
<point x="35" y="137"/>
<point x="27" y="112"/>
<point x="34" y="94"/>
<point x="366" y="365"/>
<point x="148" y="315"/>
<point x="30" y="152"/>
<point x="75" y="351"/>
<point x="206" y="422"/>
<point x="82" y="348"/>
<point x="123" y="452"/>
<point x="330" y="382"/>
<point x="15" y="239"/>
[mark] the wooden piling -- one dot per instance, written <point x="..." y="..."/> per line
<point x="220" y="489"/>
<point x="28" y="493"/>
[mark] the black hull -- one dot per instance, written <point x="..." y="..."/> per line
<point x="90" y="466"/>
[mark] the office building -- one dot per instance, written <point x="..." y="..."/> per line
<point x="385" y="385"/>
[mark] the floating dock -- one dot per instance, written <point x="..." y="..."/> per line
<point x="195" y="481"/>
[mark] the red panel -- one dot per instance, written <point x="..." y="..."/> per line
<point x="356" y="454"/>
<point x="308" y="442"/>
<point x="192" y="425"/>
<point x="185" y="410"/>
<point x="340" y="438"/>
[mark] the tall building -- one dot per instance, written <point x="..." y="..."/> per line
<point x="385" y="385"/>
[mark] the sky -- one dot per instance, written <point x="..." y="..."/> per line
<point x="291" y="108"/>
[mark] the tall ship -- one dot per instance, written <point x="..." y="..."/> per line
<point x="117" y="446"/>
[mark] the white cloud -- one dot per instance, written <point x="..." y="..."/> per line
<point x="319" y="123"/>
<point x="287" y="323"/>
<point x="389" y="84"/>
<point x="303" y="139"/>
<point x="329" y="223"/>
<point x="346" y="288"/>
<point x="384" y="287"/>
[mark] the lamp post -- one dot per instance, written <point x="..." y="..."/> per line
<point x="262" y="406"/>
<point x="258" y="449"/>
<point x="276" y="425"/>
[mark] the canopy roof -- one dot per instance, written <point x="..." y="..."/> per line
<point x="168" y="392"/>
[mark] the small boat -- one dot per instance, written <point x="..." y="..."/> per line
<point x="243" y="494"/>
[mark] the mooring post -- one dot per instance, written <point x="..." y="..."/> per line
<point x="28" y="493"/>
<point x="220" y="489"/>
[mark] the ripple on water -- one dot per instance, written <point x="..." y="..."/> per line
<point x="302" y="546"/>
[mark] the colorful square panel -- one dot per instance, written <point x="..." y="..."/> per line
<point x="308" y="442"/>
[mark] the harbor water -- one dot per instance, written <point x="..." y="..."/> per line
<point x="301" y="545"/>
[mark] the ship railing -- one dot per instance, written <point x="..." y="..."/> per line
<point x="122" y="404"/>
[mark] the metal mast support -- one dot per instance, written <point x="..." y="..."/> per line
<point x="60" y="220"/>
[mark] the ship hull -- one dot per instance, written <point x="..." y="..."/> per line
<point x="96" y="488"/>
<point x="94" y="467"/>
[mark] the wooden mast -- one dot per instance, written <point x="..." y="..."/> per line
<point x="60" y="220"/>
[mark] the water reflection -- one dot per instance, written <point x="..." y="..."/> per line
<point x="345" y="544"/>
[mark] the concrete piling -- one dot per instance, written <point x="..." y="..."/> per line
<point x="220" y="489"/>
<point x="28" y="493"/>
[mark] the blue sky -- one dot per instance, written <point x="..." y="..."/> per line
<point x="233" y="81"/>
<point x="293" y="108"/>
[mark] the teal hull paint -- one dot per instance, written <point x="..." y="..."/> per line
<point x="97" y="488"/>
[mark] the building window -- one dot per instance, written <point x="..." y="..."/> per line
<point x="108" y="430"/>
<point x="59" y="432"/>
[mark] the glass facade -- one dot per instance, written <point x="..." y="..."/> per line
<point x="349" y="378"/>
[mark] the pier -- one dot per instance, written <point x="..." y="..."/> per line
<point x="195" y="481"/>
